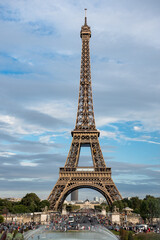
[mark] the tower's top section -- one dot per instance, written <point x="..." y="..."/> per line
<point x="85" y="121"/>
<point x="85" y="29"/>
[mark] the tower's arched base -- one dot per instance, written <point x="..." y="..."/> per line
<point x="69" y="181"/>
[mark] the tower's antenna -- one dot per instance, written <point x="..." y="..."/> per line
<point x="85" y="16"/>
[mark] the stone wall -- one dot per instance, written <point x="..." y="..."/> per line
<point x="115" y="218"/>
<point x="28" y="217"/>
<point x="131" y="219"/>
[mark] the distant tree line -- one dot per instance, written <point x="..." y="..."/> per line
<point x="71" y="208"/>
<point x="148" y="208"/>
<point x="30" y="203"/>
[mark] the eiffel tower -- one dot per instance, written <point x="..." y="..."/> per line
<point x="72" y="177"/>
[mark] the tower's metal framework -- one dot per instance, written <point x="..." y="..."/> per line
<point x="72" y="177"/>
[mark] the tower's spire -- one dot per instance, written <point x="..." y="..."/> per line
<point x="85" y="21"/>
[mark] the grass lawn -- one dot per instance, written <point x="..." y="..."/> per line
<point x="147" y="236"/>
<point x="114" y="232"/>
<point x="142" y="236"/>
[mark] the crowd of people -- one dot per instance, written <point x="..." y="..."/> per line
<point x="72" y="222"/>
<point x="13" y="230"/>
<point x="135" y="228"/>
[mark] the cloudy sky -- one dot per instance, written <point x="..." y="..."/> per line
<point x="40" y="52"/>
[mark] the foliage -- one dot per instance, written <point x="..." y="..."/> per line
<point x="20" y="209"/>
<point x="148" y="208"/>
<point x="5" y="211"/>
<point x="71" y="208"/>
<point x="75" y="207"/>
<point x="148" y="236"/>
<point x="119" y="204"/>
<point x="1" y="219"/>
<point x="5" y="206"/>
<point x="98" y="207"/>
<point x="135" y="204"/>
<point x="115" y="232"/>
<point x="105" y="206"/>
<point x="32" y="201"/>
<point x="43" y="204"/>
<point x="130" y="236"/>
<point x="123" y="234"/>
<point x="144" y="210"/>
<point x="29" y="203"/>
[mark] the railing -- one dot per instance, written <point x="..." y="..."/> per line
<point x="85" y="169"/>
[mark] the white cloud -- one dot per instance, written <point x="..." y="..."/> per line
<point x="137" y="128"/>
<point x="23" y="179"/>
<point x="18" y="126"/>
<point x="28" y="164"/>
<point x="140" y="139"/>
<point x="61" y="109"/>
<point x="108" y="134"/>
<point x="7" y="164"/>
<point x="7" y="154"/>
<point x="102" y="120"/>
<point x="46" y="139"/>
<point x="7" y="119"/>
<point x="118" y="136"/>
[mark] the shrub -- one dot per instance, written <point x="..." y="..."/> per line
<point x="1" y="219"/>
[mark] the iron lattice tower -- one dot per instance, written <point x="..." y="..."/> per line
<point x="72" y="177"/>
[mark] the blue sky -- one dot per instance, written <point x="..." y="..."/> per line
<point x="40" y="53"/>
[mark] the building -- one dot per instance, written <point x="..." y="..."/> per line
<point x="83" y="204"/>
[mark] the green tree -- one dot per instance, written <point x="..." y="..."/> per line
<point x="29" y="198"/>
<point x="20" y="209"/>
<point x="123" y="234"/>
<point x="150" y="208"/>
<point x="130" y="236"/>
<point x="43" y="204"/>
<point x="144" y="210"/>
<point x="98" y="207"/>
<point x="5" y="211"/>
<point x="105" y="206"/>
<point x="69" y="208"/>
<point x="119" y="204"/>
<point x="75" y="207"/>
<point x="135" y="204"/>
<point x="153" y="207"/>
<point x="5" y="204"/>
<point x="32" y="201"/>
<point x="1" y="219"/>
